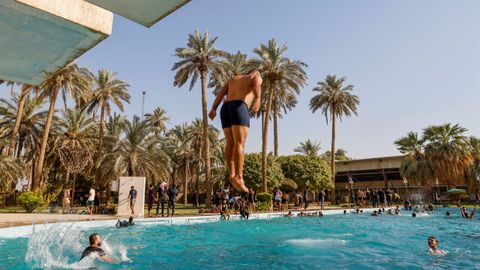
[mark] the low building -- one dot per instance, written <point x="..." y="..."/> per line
<point x="378" y="173"/>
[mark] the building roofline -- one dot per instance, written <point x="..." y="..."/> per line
<point x="370" y="159"/>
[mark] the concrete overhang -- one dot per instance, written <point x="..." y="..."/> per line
<point x="144" y="12"/>
<point x="38" y="37"/>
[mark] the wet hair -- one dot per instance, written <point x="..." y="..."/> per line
<point x="92" y="238"/>
<point x="433" y="238"/>
<point x="344" y="211"/>
<point x="414" y="215"/>
<point x="448" y="213"/>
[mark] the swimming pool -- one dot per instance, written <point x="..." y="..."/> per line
<point x="336" y="241"/>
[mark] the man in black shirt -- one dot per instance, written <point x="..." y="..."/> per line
<point x="132" y="195"/>
<point x="161" y="197"/>
<point x="95" y="243"/>
<point x="172" y="199"/>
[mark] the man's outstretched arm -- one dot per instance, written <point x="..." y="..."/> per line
<point x="218" y="99"/>
<point x="257" y="92"/>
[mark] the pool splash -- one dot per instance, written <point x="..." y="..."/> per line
<point x="55" y="246"/>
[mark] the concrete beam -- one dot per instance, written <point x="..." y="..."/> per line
<point x="38" y="37"/>
<point x="144" y="12"/>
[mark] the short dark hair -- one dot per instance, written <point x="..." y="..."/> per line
<point x="92" y="238"/>
<point x="132" y="187"/>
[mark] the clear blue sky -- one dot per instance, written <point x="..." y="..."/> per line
<point x="413" y="63"/>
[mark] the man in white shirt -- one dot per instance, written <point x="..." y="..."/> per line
<point x="91" y="200"/>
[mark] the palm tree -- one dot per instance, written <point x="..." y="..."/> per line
<point x="179" y="148"/>
<point x="447" y="148"/>
<point x="157" y="120"/>
<point x="233" y="64"/>
<point x="136" y="154"/>
<point x="308" y="148"/>
<point x="24" y="92"/>
<point x="474" y="144"/>
<point x="274" y="68"/>
<point x="283" y="101"/>
<point x="29" y="127"/>
<point x="107" y="89"/>
<point x="197" y="59"/>
<point x="414" y="165"/>
<point x="336" y="101"/>
<point x="71" y="80"/>
<point x="11" y="169"/>
<point x="75" y="142"/>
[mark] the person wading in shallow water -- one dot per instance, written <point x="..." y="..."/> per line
<point x="239" y="92"/>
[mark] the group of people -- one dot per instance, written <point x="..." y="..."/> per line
<point x="92" y="201"/>
<point x="165" y="196"/>
<point x="377" y="197"/>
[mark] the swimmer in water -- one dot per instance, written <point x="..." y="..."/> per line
<point x="95" y="244"/>
<point x="466" y="214"/>
<point x="414" y="215"/>
<point x="125" y="223"/>
<point x="433" y="245"/>
<point x="448" y="214"/>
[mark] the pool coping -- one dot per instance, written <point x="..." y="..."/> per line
<point x="26" y="230"/>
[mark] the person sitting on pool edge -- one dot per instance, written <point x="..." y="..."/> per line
<point x="125" y="223"/>
<point x="466" y="214"/>
<point x="95" y="244"/>
<point x="433" y="245"/>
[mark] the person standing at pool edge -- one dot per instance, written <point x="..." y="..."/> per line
<point x="91" y="200"/>
<point x="240" y="91"/>
<point x="132" y="195"/>
<point x="150" y="199"/>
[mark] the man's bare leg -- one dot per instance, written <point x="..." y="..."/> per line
<point x="229" y="151"/>
<point x="240" y="134"/>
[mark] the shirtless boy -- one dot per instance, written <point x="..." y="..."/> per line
<point x="239" y="92"/>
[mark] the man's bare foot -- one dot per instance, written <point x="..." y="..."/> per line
<point x="238" y="183"/>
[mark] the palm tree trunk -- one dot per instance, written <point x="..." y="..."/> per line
<point x="275" y="132"/>
<point x="206" y="141"/>
<point x="72" y="204"/>
<point x="100" y="141"/>
<point x="102" y="126"/>
<point x="265" y="140"/>
<point x="18" y="119"/>
<point x="332" y="154"/>
<point x="67" y="176"/>
<point x="21" y="141"/>
<point x="39" y="173"/>
<point x="185" y="197"/>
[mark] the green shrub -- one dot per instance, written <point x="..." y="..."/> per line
<point x="264" y="197"/>
<point x="263" y="206"/>
<point x="29" y="201"/>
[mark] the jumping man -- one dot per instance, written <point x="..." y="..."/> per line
<point x="239" y="92"/>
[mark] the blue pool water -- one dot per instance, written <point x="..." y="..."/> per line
<point x="337" y="241"/>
